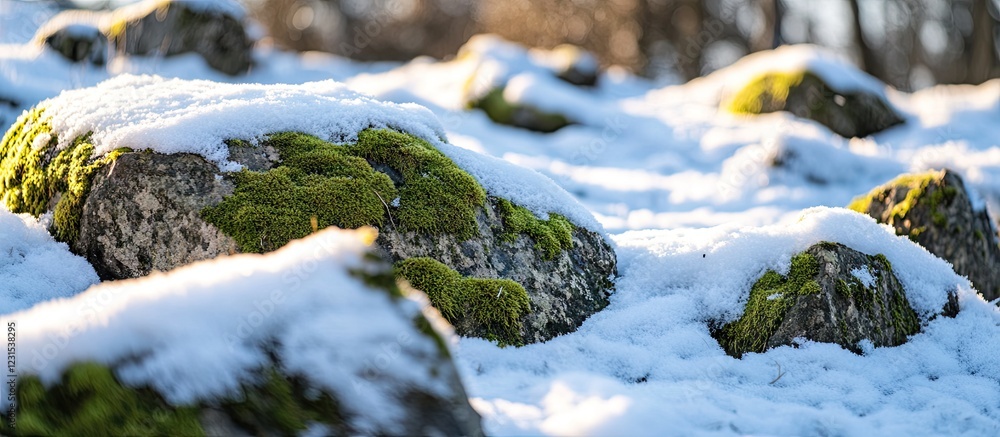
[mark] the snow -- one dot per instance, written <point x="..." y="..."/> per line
<point x="647" y="363"/>
<point x="197" y="332"/>
<point x="864" y="275"/>
<point x="698" y="211"/>
<point x="34" y="267"/>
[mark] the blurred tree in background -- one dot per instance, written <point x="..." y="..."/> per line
<point x="907" y="43"/>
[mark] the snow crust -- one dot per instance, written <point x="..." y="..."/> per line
<point x="34" y="267"/>
<point x="197" y="332"/>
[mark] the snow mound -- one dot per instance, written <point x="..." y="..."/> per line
<point x="648" y="362"/>
<point x="34" y="267"/>
<point x="178" y="116"/>
<point x="198" y="330"/>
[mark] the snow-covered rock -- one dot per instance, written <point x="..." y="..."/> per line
<point x="938" y="211"/>
<point x="212" y="29"/>
<point x="132" y="211"/>
<point x="315" y="337"/>
<point x="807" y="95"/>
<point x="832" y="294"/>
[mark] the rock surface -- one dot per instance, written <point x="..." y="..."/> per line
<point x="143" y="214"/>
<point x="832" y="294"/>
<point x="849" y="114"/>
<point x="564" y="291"/>
<point x="152" y="27"/>
<point x="934" y="210"/>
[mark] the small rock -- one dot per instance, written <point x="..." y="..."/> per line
<point x="935" y="211"/>
<point x="832" y="294"/>
<point x="803" y="93"/>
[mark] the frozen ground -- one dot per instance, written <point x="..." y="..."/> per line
<point x="697" y="213"/>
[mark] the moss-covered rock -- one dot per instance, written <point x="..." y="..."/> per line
<point x="934" y="210"/>
<point x="131" y="213"/>
<point x="273" y="399"/>
<point x="502" y="111"/>
<point x="152" y="27"/>
<point x="832" y="294"/>
<point x="803" y="93"/>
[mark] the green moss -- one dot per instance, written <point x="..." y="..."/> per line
<point x="501" y="111"/>
<point x="766" y="93"/>
<point x="770" y="298"/>
<point x="338" y="185"/>
<point x="979" y="234"/>
<point x="917" y="186"/>
<point x="496" y="305"/>
<point x="551" y="236"/>
<point x="277" y="403"/>
<point x="29" y="183"/>
<point x="90" y="399"/>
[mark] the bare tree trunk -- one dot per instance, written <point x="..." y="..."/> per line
<point x="869" y="60"/>
<point x="983" y="57"/>
<point x="765" y="39"/>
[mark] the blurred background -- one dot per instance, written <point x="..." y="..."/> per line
<point x="909" y="44"/>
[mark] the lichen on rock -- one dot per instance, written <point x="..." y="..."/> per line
<point x="805" y="94"/>
<point x="934" y="210"/>
<point x="822" y="299"/>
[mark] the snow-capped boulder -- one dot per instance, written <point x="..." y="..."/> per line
<point x="314" y="338"/>
<point x="504" y="71"/>
<point x="937" y="211"/>
<point x="832" y="294"/>
<point x="211" y="169"/>
<point x="803" y="93"/>
<point x="810" y="82"/>
<point x="77" y="36"/>
<point x="212" y="29"/>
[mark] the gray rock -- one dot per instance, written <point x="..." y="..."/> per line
<point x="935" y="211"/>
<point x="832" y="294"/>
<point x="849" y="114"/>
<point x="563" y="291"/>
<point x="142" y="215"/>
<point x="153" y="27"/>
<point x="171" y="28"/>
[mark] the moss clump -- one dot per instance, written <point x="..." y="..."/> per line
<point x="277" y="403"/>
<point x="551" y="236"/>
<point x="918" y="190"/>
<point x="338" y="185"/>
<point x="503" y="112"/>
<point x="90" y="399"/>
<point x="494" y="305"/>
<point x="29" y="183"/>
<point x="767" y="93"/>
<point x="770" y="298"/>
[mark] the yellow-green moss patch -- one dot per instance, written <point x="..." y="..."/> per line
<point x="551" y="236"/>
<point x="89" y="399"/>
<point x="495" y="305"/>
<point x="768" y="92"/>
<point x="339" y="186"/>
<point x="770" y="298"/>
<point x="31" y="176"/>
<point x="917" y="187"/>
